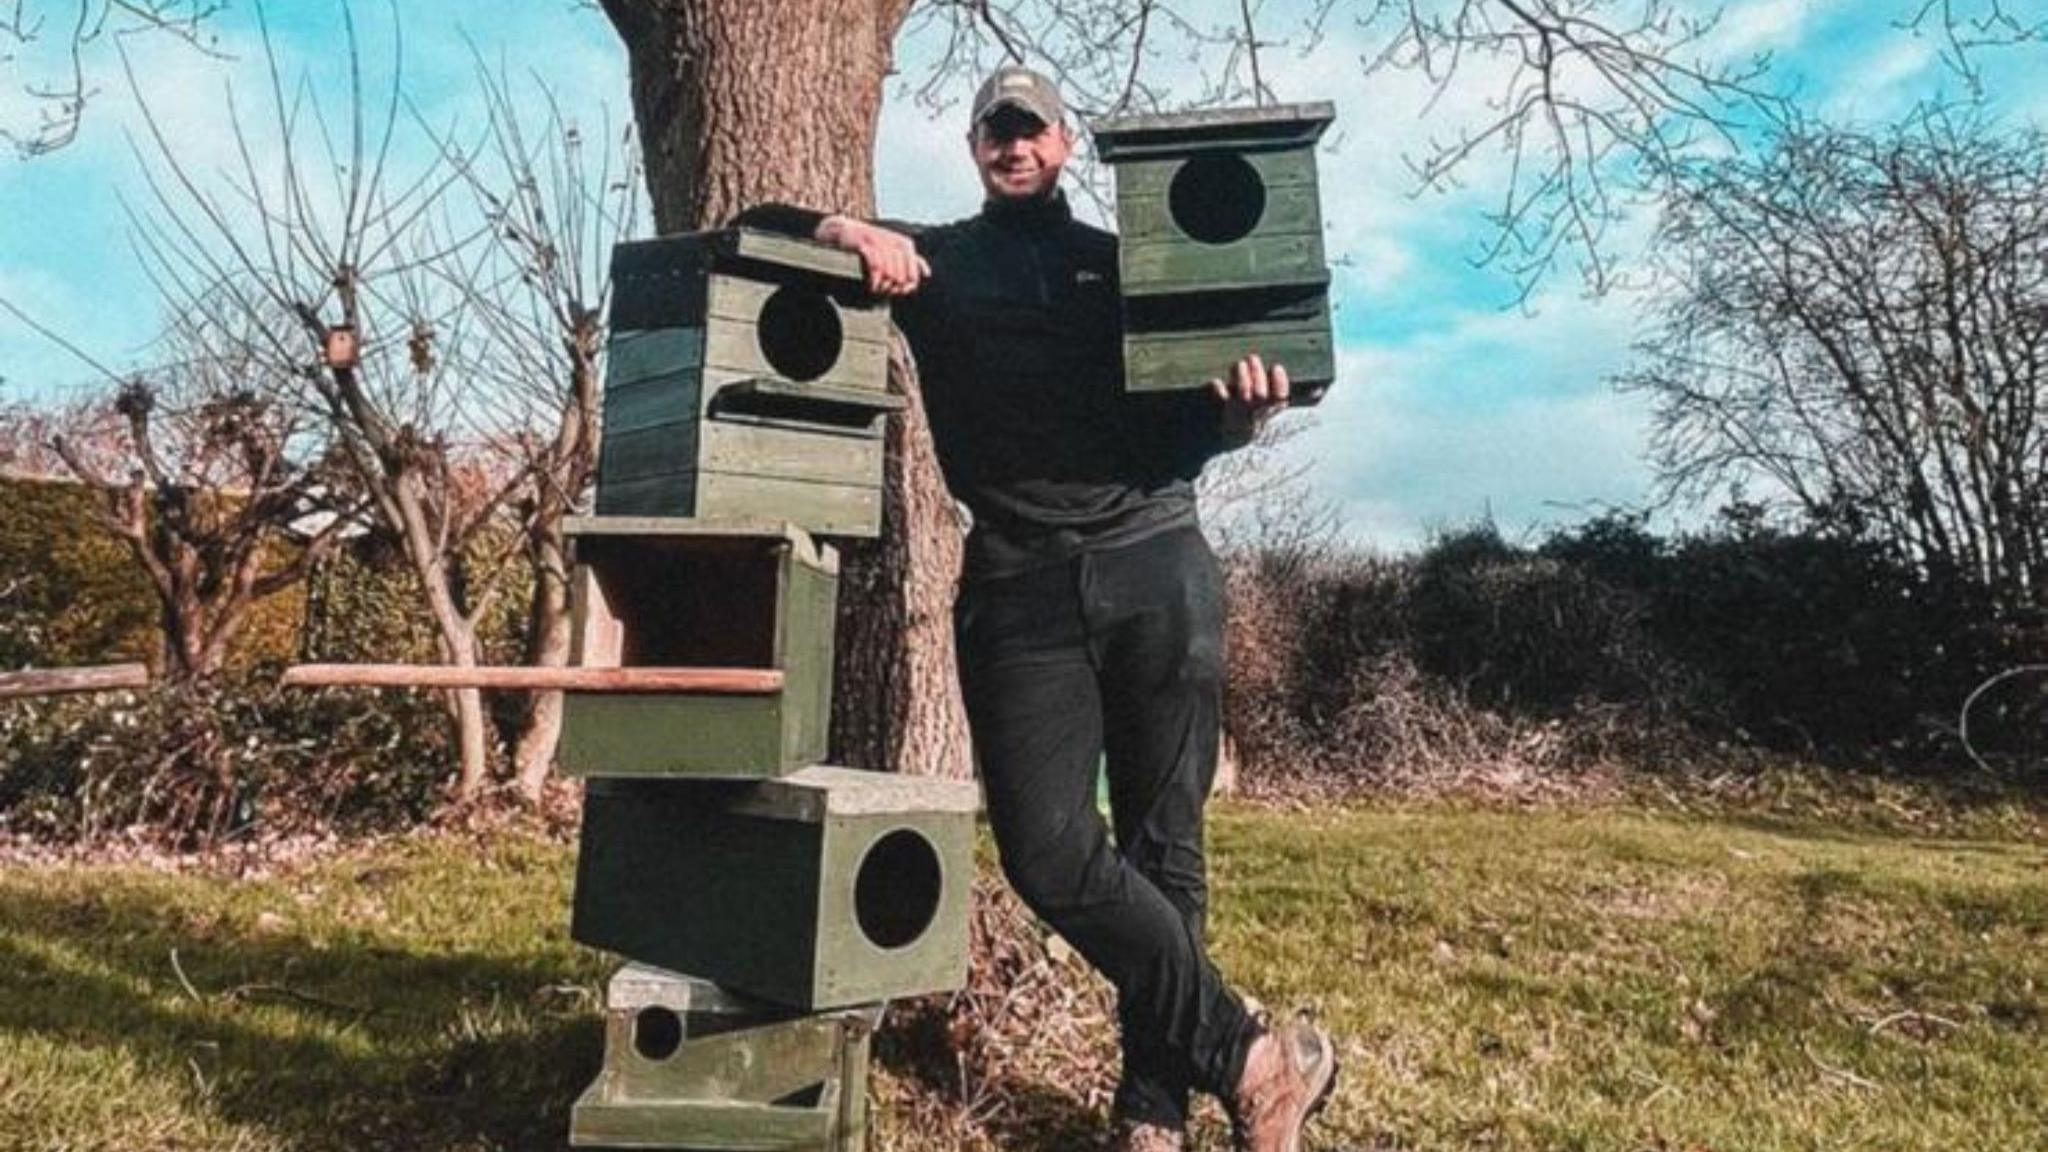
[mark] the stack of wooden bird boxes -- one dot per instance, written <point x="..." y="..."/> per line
<point x="769" y="904"/>
<point x="1221" y="244"/>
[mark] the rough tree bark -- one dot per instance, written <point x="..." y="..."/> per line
<point x="740" y="102"/>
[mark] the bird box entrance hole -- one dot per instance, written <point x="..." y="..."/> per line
<point x="896" y="891"/>
<point x="800" y="332"/>
<point x="657" y="1033"/>
<point x="1217" y="197"/>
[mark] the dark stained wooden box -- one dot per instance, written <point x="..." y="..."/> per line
<point x="658" y="592"/>
<point x="745" y="378"/>
<point x="689" y="1064"/>
<point x="822" y="889"/>
<point x="1221" y="244"/>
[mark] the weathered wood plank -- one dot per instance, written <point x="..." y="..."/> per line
<point x="791" y="252"/>
<point x="60" y="681"/>
<point x="713" y="681"/>
<point x="640" y="354"/>
<point x="827" y="509"/>
<point x="596" y="637"/>
<point x="599" y="527"/>
<point x="707" y="737"/>
<point x="1258" y="260"/>
<point x="1169" y="362"/>
<point x="765" y="450"/>
<point x="1291" y="210"/>
<point x="652" y="402"/>
<point x="1276" y="170"/>
<point x="706" y="1125"/>
<point x="1284" y="125"/>
<point x="635" y="454"/>
<point x="653" y="496"/>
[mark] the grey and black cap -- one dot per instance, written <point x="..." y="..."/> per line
<point x="1015" y="86"/>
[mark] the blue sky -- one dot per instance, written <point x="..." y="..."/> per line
<point x="1452" y="401"/>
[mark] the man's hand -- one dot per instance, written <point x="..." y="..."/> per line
<point x="893" y="265"/>
<point x="1250" y="398"/>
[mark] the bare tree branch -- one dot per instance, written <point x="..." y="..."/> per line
<point x="58" y="83"/>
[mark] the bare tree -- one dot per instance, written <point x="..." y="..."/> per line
<point x="1259" y="501"/>
<point x="317" y="260"/>
<point x="556" y="198"/>
<point x="202" y="486"/>
<point x="1863" y="321"/>
<point x="51" y="42"/>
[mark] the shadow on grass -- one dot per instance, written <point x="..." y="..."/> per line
<point x="327" y="1044"/>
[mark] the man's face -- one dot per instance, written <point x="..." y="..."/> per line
<point x="1019" y="155"/>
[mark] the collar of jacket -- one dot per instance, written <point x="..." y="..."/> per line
<point x="1037" y="212"/>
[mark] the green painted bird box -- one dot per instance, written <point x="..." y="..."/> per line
<point x="822" y="889"/>
<point x="821" y="1119"/>
<point x="745" y="378"/>
<point x="685" y="1059"/>
<point x="1221" y="244"/>
<point x="653" y="592"/>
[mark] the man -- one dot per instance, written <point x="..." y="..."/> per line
<point x="1090" y="614"/>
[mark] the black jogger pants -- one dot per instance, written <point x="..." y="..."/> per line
<point x="1117" y="651"/>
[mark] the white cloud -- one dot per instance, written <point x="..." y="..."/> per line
<point x="1500" y="412"/>
<point x="1763" y="26"/>
<point x="1881" y="86"/>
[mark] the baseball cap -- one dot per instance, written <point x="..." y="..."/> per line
<point x="1015" y="86"/>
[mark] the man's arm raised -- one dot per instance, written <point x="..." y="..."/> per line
<point x="889" y="254"/>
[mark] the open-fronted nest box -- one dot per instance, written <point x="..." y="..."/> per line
<point x="654" y="592"/>
<point x="746" y="377"/>
<point x="822" y="889"/>
<point x="685" y="1058"/>
<point x="1221" y="244"/>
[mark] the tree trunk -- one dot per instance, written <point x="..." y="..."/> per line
<point x="453" y="631"/>
<point x="896" y="615"/>
<point x="740" y="102"/>
<point x="547" y="646"/>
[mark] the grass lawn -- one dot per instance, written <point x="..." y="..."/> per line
<point x="1501" y="980"/>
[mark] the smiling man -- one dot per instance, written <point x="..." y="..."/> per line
<point x="1089" y="619"/>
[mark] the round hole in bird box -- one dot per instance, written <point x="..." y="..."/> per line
<point x="657" y="1033"/>
<point x="896" y="891"/>
<point x="1217" y="197"/>
<point x="800" y="333"/>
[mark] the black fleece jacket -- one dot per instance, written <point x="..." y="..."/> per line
<point x="1018" y="340"/>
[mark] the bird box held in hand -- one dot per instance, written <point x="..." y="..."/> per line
<point x="1221" y="244"/>
<point x="745" y="378"/>
<point x="821" y="889"/>
<point x="652" y="592"/>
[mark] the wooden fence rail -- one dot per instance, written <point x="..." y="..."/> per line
<point x="58" y="681"/>
<point x="720" y="681"/>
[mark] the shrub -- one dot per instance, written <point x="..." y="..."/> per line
<point x="243" y="757"/>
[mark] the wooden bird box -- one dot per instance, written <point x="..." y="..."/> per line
<point x="1221" y="244"/>
<point x="688" y="1063"/>
<point x="745" y="378"/>
<point x="822" y="889"/>
<point x="657" y="592"/>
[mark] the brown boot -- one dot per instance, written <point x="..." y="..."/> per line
<point x="1140" y="1136"/>
<point x="1288" y="1074"/>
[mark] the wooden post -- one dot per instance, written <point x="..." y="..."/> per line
<point x="716" y="681"/>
